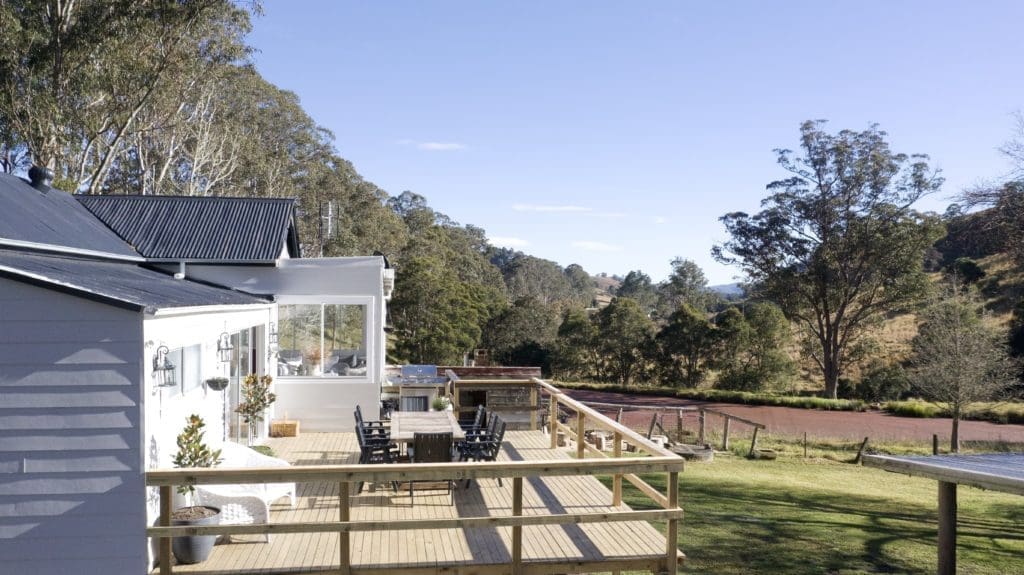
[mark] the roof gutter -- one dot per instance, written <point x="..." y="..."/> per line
<point x="189" y="310"/>
<point x="61" y="250"/>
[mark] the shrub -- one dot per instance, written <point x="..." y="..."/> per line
<point x="914" y="408"/>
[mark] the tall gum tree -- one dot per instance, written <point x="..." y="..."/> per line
<point x="837" y="244"/>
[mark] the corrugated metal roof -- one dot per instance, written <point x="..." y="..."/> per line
<point x="200" y="228"/>
<point x="121" y="283"/>
<point x="50" y="218"/>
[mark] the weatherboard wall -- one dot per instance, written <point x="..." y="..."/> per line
<point x="71" y="460"/>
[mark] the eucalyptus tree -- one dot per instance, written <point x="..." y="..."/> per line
<point x="837" y="244"/>
<point x="77" y="77"/>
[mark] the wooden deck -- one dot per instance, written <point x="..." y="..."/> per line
<point x="569" y="548"/>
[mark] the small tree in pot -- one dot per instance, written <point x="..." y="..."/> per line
<point x="193" y="452"/>
<point x="256" y="398"/>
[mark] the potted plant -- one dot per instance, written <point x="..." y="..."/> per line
<point x="441" y="403"/>
<point x="256" y="398"/>
<point x="217" y="383"/>
<point x="193" y="452"/>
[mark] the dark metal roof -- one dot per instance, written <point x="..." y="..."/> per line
<point x="213" y="229"/>
<point x="120" y="283"/>
<point x="50" y="219"/>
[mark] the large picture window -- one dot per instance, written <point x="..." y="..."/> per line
<point x="321" y="340"/>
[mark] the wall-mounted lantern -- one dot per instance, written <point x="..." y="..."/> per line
<point x="273" y="334"/>
<point x="163" y="369"/>
<point x="224" y="347"/>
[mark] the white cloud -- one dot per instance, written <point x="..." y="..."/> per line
<point x="596" y="246"/>
<point x="660" y="220"/>
<point x="549" y="208"/>
<point x="440" y="146"/>
<point x="507" y="242"/>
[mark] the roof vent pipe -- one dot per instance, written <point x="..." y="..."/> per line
<point x="181" y="271"/>
<point x="40" y="176"/>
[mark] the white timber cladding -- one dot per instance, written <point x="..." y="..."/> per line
<point x="320" y="403"/>
<point x="166" y="411"/>
<point x="72" y="492"/>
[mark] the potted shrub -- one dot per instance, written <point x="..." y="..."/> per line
<point x="256" y="398"/>
<point x="441" y="403"/>
<point x="217" y="383"/>
<point x="193" y="452"/>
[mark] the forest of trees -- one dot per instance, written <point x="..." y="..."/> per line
<point x="153" y="97"/>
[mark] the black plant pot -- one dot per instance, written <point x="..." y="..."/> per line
<point x="195" y="548"/>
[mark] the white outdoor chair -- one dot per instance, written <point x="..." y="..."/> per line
<point x="244" y="504"/>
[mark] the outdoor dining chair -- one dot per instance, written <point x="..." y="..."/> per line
<point x="486" y="446"/>
<point x="375" y="449"/>
<point x="432" y="448"/>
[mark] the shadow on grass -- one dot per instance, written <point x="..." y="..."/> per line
<point x="736" y="527"/>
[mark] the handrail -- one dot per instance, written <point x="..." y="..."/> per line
<point x="409" y="471"/>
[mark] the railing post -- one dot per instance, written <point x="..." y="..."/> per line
<point x="581" y="431"/>
<point x="617" y="479"/>
<point x="165" y="521"/>
<point x="703" y="427"/>
<point x="553" y="419"/>
<point x="533" y="408"/>
<point x="344" y="537"/>
<point x="517" y="530"/>
<point x="672" y="529"/>
<point x="725" y="435"/>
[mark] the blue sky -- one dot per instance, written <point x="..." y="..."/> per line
<point x="615" y="134"/>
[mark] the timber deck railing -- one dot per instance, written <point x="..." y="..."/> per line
<point x="659" y="460"/>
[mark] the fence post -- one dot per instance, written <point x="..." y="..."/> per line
<point x="617" y="479"/>
<point x="344" y="536"/>
<point x="517" y="530"/>
<point x="533" y="408"/>
<point x="553" y="419"/>
<point x="165" y="521"/>
<point x="935" y="444"/>
<point x="654" y="421"/>
<point x="581" y="432"/>
<point x="725" y="435"/>
<point x="703" y="427"/>
<point x="672" y="529"/>
<point x="679" y="426"/>
<point x="753" y="442"/>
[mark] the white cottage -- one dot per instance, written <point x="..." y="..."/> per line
<point x="114" y="311"/>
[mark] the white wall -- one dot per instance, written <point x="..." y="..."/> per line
<point x="320" y="404"/>
<point x="166" y="414"/>
<point x="72" y="493"/>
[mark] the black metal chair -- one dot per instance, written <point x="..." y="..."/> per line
<point x="478" y="421"/>
<point x="375" y="449"/>
<point x="484" y="447"/>
<point x="432" y="448"/>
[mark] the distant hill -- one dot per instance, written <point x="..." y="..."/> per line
<point x="728" y="291"/>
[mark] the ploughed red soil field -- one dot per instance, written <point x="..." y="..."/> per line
<point x="788" y="421"/>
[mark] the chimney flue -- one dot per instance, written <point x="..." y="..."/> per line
<point x="40" y="176"/>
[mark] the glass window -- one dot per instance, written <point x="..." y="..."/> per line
<point x="321" y="340"/>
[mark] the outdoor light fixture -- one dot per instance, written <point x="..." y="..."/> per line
<point x="163" y="369"/>
<point x="224" y="347"/>
<point x="273" y="333"/>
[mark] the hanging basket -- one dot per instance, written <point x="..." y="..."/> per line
<point x="217" y="383"/>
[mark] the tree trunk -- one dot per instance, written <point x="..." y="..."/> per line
<point x="831" y="373"/>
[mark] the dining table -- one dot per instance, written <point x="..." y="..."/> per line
<point x="406" y="424"/>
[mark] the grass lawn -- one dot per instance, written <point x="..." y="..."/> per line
<point x="794" y="516"/>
